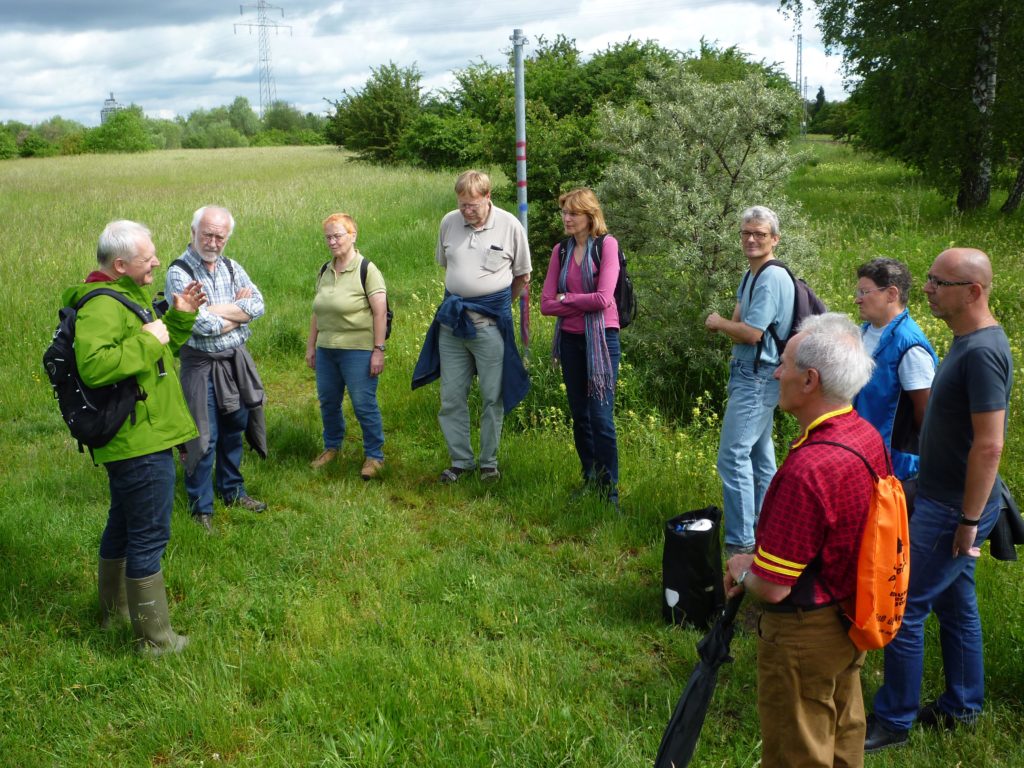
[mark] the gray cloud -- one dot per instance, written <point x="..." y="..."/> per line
<point x="63" y="57"/>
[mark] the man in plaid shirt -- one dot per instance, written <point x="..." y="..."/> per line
<point x="805" y="558"/>
<point x="218" y="375"/>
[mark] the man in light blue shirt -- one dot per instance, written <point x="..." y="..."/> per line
<point x="746" y="453"/>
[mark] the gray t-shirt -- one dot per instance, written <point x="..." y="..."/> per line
<point x="975" y="377"/>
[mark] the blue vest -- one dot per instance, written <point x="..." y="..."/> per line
<point x="884" y="403"/>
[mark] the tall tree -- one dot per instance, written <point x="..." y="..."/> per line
<point x="371" y="121"/>
<point x="819" y="101"/>
<point x="929" y="75"/>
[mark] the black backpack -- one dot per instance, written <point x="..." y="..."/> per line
<point x="363" y="266"/>
<point x="94" y="415"/>
<point x="625" y="296"/>
<point x="805" y="302"/>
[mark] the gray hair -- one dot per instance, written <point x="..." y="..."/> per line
<point x="198" y="217"/>
<point x="762" y="213"/>
<point x="831" y="344"/>
<point x="120" y="240"/>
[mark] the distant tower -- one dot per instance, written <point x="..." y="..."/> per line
<point x="110" y="106"/>
<point x="268" y="93"/>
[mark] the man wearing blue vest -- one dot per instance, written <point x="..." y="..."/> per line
<point x="894" y="400"/>
<point x="746" y="453"/>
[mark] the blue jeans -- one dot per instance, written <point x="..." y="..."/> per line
<point x="460" y="359"/>
<point x="139" y="520"/>
<point x="593" y="422"/>
<point x="944" y="584"/>
<point x="746" y="453"/>
<point x="337" y="369"/>
<point x="226" y="435"/>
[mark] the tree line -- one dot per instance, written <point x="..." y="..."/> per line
<point x="129" y="130"/>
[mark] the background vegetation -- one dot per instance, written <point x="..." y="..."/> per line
<point x="129" y="130"/>
<point x="402" y="622"/>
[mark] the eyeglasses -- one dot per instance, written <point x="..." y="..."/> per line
<point x="860" y="293"/>
<point x="471" y="206"/>
<point x="573" y="213"/>
<point x="337" y="237"/>
<point x="930" y="278"/>
<point x="759" y="236"/>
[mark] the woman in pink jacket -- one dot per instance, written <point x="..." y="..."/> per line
<point x="579" y="290"/>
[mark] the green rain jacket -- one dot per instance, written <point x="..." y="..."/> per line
<point x="110" y="345"/>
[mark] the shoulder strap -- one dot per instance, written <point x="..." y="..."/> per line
<point x="598" y="245"/>
<point x="769" y="263"/>
<point x="874" y="475"/>
<point x="771" y="327"/>
<point x="183" y="265"/>
<point x="364" y="265"/>
<point x="139" y="311"/>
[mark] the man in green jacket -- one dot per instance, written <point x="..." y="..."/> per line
<point x="111" y="344"/>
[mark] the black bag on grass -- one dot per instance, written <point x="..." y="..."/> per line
<point x="691" y="568"/>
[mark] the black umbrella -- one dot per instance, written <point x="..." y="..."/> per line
<point x="680" y="737"/>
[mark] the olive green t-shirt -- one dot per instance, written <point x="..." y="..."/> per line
<point x="342" y="309"/>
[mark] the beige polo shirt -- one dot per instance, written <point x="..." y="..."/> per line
<point x="479" y="262"/>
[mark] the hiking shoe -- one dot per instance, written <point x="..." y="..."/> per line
<point x="206" y="521"/>
<point x="451" y="475"/>
<point x="489" y="474"/>
<point x="878" y="737"/>
<point x="326" y="457"/>
<point x="371" y="467"/>
<point x="934" y="717"/>
<point x="247" y="502"/>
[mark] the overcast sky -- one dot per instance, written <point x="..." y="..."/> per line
<point x="64" y="57"/>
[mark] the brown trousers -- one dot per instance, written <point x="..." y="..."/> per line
<point x="808" y="691"/>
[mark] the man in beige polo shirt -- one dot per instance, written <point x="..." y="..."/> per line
<point x="486" y="258"/>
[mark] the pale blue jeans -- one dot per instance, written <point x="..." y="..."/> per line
<point x="746" y="453"/>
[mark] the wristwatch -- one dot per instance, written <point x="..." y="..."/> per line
<point x="381" y="347"/>
<point x="968" y="522"/>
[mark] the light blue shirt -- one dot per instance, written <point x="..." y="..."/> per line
<point x="770" y="303"/>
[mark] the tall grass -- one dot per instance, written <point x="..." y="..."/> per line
<point x="398" y="622"/>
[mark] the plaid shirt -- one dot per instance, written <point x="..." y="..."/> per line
<point x="207" y="333"/>
<point x="812" y="520"/>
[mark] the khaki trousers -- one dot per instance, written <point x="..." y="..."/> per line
<point x="808" y="691"/>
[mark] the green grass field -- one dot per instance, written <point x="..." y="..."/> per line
<point x="400" y="622"/>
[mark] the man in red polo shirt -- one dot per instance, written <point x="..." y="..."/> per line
<point x="805" y="559"/>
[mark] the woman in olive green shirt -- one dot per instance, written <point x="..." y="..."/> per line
<point x="346" y="344"/>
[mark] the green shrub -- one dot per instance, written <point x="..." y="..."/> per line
<point x="8" y="146"/>
<point x="687" y="162"/>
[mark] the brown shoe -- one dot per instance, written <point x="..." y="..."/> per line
<point x="247" y="502"/>
<point x="324" y="458"/>
<point x="371" y="467"/>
